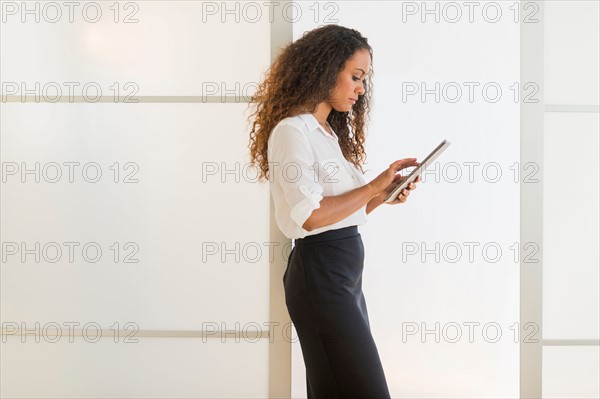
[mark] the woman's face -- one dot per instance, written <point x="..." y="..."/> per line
<point x="350" y="82"/>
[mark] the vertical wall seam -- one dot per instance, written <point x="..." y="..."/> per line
<point x="531" y="206"/>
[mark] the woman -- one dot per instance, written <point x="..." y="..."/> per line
<point x="307" y="139"/>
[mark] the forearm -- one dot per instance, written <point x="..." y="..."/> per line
<point x="338" y="207"/>
<point x="374" y="203"/>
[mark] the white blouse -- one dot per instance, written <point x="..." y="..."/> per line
<point x="305" y="164"/>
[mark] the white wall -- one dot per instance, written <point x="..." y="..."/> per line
<point x="571" y="278"/>
<point x="176" y="212"/>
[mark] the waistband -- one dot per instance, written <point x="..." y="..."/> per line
<point x="328" y="235"/>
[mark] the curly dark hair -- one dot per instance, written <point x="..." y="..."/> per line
<point x="303" y="75"/>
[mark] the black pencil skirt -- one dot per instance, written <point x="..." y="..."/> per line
<point x="323" y="294"/>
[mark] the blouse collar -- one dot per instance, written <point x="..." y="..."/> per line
<point x="312" y="123"/>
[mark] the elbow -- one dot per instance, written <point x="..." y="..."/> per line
<point x="310" y="223"/>
<point x="307" y="226"/>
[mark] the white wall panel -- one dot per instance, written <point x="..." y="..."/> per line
<point x="571" y="52"/>
<point x="149" y="368"/>
<point x="571" y="233"/>
<point x="184" y="214"/>
<point x="571" y="372"/>
<point x="175" y="48"/>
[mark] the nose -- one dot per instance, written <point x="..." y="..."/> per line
<point x="361" y="89"/>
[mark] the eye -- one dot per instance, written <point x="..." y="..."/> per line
<point x="355" y="78"/>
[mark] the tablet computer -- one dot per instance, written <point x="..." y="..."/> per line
<point x="417" y="171"/>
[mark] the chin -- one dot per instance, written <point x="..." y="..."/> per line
<point x="345" y="109"/>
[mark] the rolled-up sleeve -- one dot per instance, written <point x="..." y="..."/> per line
<point x="291" y="164"/>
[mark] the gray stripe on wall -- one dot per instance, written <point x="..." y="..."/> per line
<point x="531" y="209"/>
<point x="571" y="342"/>
<point x="134" y="100"/>
<point x="572" y="108"/>
<point x="280" y="348"/>
<point x="131" y="334"/>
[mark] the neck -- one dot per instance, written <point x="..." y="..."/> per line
<point x="322" y="112"/>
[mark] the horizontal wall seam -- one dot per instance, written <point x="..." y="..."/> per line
<point x="228" y="334"/>
<point x="571" y="342"/>
<point x="128" y="100"/>
<point x="572" y="108"/>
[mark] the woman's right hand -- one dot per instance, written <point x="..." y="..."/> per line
<point x="388" y="176"/>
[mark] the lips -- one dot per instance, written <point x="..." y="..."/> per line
<point x="353" y="100"/>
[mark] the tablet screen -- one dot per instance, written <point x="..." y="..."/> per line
<point x="417" y="171"/>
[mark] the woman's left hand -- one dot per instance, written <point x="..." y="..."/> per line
<point x="398" y="179"/>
